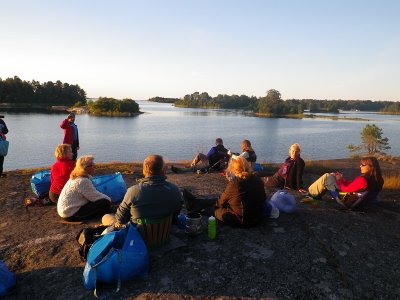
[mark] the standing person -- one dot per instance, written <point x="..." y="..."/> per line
<point x="290" y="174"/>
<point x="71" y="135"/>
<point x="60" y="171"/>
<point x="3" y="132"/>
<point x="153" y="197"/>
<point x="79" y="200"/>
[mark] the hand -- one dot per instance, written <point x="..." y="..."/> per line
<point x="229" y="152"/>
<point x="303" y="191"/>
<point x="77" y="148"/>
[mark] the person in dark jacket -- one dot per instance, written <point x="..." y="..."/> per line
<point x="214" y="160"/>
<point x="153" y="197"/>
<point x="290" y="174"/>
<point x="71" y="136"/>
<point x="3" y="132"/>
<point x="240" y="205"/>
<point x="247" y="152"/>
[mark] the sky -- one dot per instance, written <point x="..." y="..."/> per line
<point x="319" y="49"/>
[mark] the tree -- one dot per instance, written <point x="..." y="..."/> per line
<point x="372" y="141"/>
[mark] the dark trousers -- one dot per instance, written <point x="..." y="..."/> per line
<point x="1" y="164"/>
<point x="53" y="197"/>
<point x="91" y="209"/>
<point x="74" y="148"/>
<point x="275" y="181"/>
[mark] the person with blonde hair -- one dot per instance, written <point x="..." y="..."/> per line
<point x="290" y="174"/>
<point x="240" y="205"/>
<point x="79" y="199"/>
<point x="153" y="197"/>
<point x="61" y="170"/>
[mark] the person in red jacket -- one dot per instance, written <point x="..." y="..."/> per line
<point x="370" y="181"/>
<point x="71" y="136"/>
<point x="61" y="170"/>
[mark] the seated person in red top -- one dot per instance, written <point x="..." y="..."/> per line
<point x="370" y="181"/>
<point x="61" y="170"/>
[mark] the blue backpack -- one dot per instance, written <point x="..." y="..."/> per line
<point x="116" y="257"/>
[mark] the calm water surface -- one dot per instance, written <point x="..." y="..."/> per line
<point x="178" y="133"/>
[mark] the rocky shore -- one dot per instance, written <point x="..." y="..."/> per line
<point x="322" y="252"/>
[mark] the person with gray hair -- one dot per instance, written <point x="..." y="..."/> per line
<point x="153" y="197"/>
<point x="290" y="174"/>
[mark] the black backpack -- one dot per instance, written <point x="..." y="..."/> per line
<point x="86" y="237"/>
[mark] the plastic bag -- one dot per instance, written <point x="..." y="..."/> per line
<point x="113" y="185"/>
<point x="40" y="183"/>
<point x="284" y="201"/>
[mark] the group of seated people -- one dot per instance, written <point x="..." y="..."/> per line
<point x="240" y="205"/>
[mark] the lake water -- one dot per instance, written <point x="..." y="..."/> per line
<point x="179" y="133"/>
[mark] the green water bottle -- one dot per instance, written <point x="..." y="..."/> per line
<point x="212" y="228"/>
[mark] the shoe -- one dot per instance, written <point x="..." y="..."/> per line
<point x="174" y="169"/>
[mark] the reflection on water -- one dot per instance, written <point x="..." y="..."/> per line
<point x="178" y="133"/>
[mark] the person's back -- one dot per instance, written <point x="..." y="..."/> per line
<point x="153" y="197"/>
<point x="247" y="197"/>
<point x="217" y="154"/>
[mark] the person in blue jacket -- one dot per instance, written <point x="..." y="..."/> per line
<point x="3" y="132"/>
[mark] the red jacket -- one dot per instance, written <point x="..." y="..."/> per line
<point x="59" y="174"/>
<point x="359" y="184"/>
<point x="68" y="133"/>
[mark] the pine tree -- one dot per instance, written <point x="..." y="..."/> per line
<point x="372" y="141"/>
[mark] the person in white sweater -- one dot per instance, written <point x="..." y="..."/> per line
<point x="79" y="199"/>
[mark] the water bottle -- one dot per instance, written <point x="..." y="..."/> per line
<point x="212" y="228"/>
<point x="181" y="221"/>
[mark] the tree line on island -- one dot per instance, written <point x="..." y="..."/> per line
<point x="273" y="105"/>
<point x="21" y="93"/>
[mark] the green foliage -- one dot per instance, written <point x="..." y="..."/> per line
<point x="16" y="91"/>
<point x="221" y="101"/>
<point x="372" y="141"/>
<point x="78" y="104"/>
<point x="163" y="100"/>
<point x="111" y="106"/>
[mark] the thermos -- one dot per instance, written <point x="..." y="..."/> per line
<point x="212" y="228"/>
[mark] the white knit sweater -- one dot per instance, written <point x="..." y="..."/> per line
<point x="75" y="194"/>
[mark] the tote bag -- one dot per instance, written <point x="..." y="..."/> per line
<point x="116" y="257"/>
<point x="3" y="147"/>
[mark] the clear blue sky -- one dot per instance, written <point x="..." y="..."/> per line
<point x="321" y="49"/>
